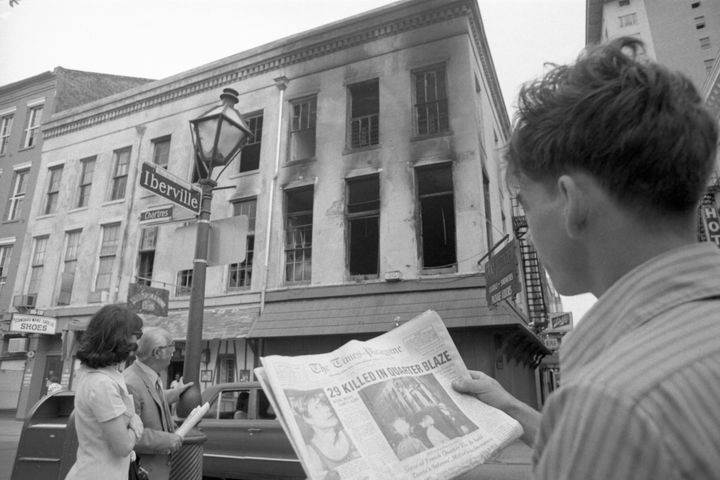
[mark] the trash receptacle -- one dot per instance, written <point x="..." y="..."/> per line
<point x="46" y="439"/>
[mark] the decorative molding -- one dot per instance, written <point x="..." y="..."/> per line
<point x="386" y="29"/>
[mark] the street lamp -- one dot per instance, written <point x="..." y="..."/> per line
<point x="217" y="135"/>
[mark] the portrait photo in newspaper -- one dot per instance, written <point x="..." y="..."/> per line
<point x="415" y="414"/>
<point x="327" y="442"/>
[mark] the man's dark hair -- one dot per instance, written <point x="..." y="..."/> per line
<point x="639" y="129"/>
<point x="106" y="340"/>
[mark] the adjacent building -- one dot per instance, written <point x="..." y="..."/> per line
<point x="683" y="34"/>
<point x="372" y="186"/>
<point x="24" y="107"/>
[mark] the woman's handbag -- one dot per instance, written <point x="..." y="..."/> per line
<point x="136" y="471"/>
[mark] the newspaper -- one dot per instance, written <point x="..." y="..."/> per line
<point x="385" y="408"/>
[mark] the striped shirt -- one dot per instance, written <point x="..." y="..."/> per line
<point x="640" y="393"/>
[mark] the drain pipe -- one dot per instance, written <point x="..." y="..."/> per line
<point x="281" y="84"/>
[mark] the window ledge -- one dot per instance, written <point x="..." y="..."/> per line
<point x="45" y="215"/>
<point x="249" y="173"/>
<point x="418" y="138"/>
<point x="300" y="161"/>
<point x="14" y="220"/>
<point x="432" y="272"/>
<point x="78" y="209"/>
<point x="22" y="149"/>
<point x="113" y="202"/>
<point x="368" y="148"/>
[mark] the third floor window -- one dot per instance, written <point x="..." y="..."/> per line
<point x="628" y="20"/>
<point x="121" y="162"/>
<point x="250" y="154"/>
<point x="53" y="189"/>
<point x="32" y="130"/>
<point x="86" y="176"/>
<point x="5" y="130"/>
<point x="364" y="114"/>
<point x="17" y="194"/>
<point x="302" y="129"/>
<point x="431" y="104"/>
<point x="161" y="151"/>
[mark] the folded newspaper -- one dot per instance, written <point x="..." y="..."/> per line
<point x="385" y="408"/>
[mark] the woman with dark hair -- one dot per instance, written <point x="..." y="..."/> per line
<point x="105" y="419"/>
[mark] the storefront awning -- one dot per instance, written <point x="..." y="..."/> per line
<point x="230" y="322"/>
<point x="374" y="313"/>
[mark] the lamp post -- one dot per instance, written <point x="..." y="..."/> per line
<point x="217" y="135"/>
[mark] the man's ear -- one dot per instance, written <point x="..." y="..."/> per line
<point x="575" y="202"/>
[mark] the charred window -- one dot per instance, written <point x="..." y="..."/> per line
<point x="302" y="128"/>
<point x="363" y="224"/>
<point x="250" y="154"/>
<point x="364" y="114"/>
<point x="437" y="216"/>
<point x="298" y="234"/>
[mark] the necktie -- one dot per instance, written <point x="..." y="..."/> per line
<point x="167" y="421"/>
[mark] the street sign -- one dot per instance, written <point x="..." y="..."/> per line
<point x="501" y="275"/>
<point x="162" y="183"/>
<point x="157" y="215"/>
<point x="560" y="322"/>
<point x="28" y="323"/>
<point x="144" y="299"/>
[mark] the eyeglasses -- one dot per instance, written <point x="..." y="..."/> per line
<point x="138" y="334"/>
<point x="172" y="345"/>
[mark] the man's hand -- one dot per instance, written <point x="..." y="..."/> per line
<point x="175" y="443"/>
<point x="488" y="390"/>
<point x="173" y="394"/>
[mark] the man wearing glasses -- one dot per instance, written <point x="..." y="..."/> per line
<point x="152" y="401"/>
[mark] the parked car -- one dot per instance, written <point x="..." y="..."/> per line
<point x="244" y="439"/>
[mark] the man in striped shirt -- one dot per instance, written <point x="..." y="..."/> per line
<point x="609" y="159"/>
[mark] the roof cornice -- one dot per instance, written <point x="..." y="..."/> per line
<point x="277" y="55"/>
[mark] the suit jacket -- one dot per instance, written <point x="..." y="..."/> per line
<point x="154" y="412"/>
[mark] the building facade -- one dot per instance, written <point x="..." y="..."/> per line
<point x="682" y="34"/>
<point x="24" y="106"/>
<point x="372" y="186"/>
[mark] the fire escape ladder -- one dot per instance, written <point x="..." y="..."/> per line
<point x="534" y="285"/>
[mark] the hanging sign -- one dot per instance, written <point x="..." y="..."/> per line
<point x="27" y="323"/>
<point x="501" y="274"/>
<point x="144" y="299"/>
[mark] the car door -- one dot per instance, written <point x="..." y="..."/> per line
<point x="254" y="447"/>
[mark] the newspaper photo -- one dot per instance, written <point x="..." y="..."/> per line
<point x="385" y="408"/>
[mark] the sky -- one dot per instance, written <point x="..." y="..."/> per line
<point x="159" y="38"/>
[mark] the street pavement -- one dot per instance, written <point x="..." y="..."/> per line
<point x="513" y="463"/>
<point x="9" y="436"/>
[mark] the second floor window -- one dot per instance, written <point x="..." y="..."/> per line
<point x="364" y="114"/>
<point x="5" y="131"/>
<point x="437" y="216"/>
<point x="86" y="175"/>
<point x="108" y="251"/>
<point x="121" y="163"/>
<point x="363" y="224"/>
<point x="250" y="154"/>
<point x="302" y="129"/>
<point x="17" y="194"/>
<point x="37" y="264"/>
<point x="298" y="234"/>
<point x="67" y="278"/>
<point x="53" y="191"/>
<point x="431" y="104"/>
<point x="161" y="152"/>
<point x="184" y="282"/>
<point x="146" y="255"/>
<point x="240" y="274"/>
<point x="32" y="130"/>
